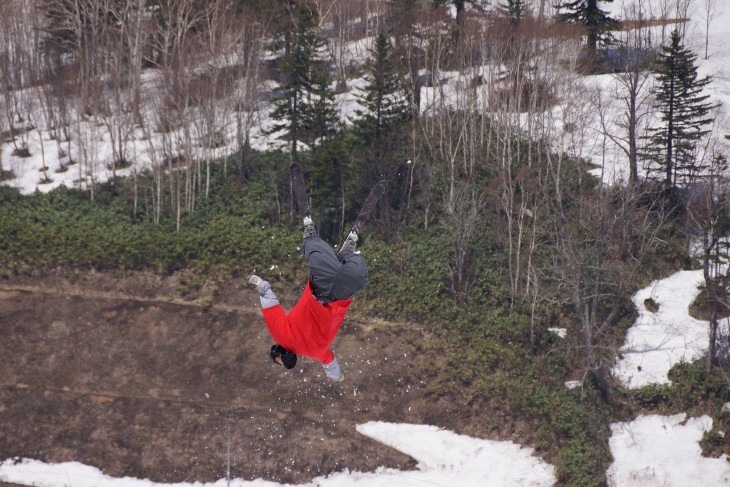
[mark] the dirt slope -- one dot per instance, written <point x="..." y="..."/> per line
<point x="117" y="372"/>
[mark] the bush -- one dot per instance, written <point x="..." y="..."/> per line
<point x="692" y="388"/>
<point x="22" y="151"/>
<point x="693" y="385"/>
<point x="64" y="228"/>
<point x="411" y="279"/>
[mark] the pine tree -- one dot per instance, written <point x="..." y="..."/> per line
<point x="588" y="13"/>
<point x="320" y="117"/>
<point x="384" y="98"/>
<point x="684" y="111"/>
<point x="327" y="153"/>
<point x="328" y="177"/>
<point x="381" y="128"/>
<point x="515" y="10"/>
<point x="293" y="106"/>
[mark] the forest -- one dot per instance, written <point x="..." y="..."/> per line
<point x="506" y="215"/>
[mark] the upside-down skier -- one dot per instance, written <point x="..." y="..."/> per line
<point x="311" y="325"/>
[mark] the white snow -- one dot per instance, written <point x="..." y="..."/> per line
<point x="649" y="451"/>
<point x="664" y="451"/>
<point x="444" y="459"/>
<point x="561" y="332"/>
<point x="659" y="340"/>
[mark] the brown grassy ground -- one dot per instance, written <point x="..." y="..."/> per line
<point x="117" y="372"/>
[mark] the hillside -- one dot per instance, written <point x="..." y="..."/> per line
<point x="113" y="372"/>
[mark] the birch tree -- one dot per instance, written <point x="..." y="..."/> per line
<point x="631" y="89"/>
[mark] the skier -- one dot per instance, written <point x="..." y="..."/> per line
<point x="312" y="324"/>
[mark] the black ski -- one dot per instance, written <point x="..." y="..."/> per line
<point x="300" y="190"/>
<point x="300" y="193"/>
<point x="367" y="208"/>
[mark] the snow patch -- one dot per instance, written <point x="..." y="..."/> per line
<point x="664" y="333"/>
<point x="664" y="451"/>
<point x="561" y="332"/>
<point x="444" y="458"/>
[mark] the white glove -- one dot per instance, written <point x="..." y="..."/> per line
<point x="268" y="298"/>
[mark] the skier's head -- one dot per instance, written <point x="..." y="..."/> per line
<point x="282" y="356"/>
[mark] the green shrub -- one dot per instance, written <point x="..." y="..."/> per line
<point x="496" y="363"/>
<point x="409" y="279"/>
<point x="693" y="385"/>
<point x="64" y="228"/>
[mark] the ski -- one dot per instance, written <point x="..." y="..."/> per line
<point x="300" y="193"/>
<point x="300" y="190"/>
<point x="367" y="208"/>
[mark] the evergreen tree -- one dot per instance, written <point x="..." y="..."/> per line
<point x="320" y="117"/>
<point x="384" y="98"/>
<point x="328" y="179"/>
<point x="515" y="10"/>
<point x="684" y="111"/>
<point x="292" y="107"/>
<point x="380" y="128"/>
<point x="588" y="13"/>
<point x="327" y="154"/>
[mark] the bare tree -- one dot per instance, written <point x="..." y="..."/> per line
<point x="415" y="34"/>
<point x="78" y="29"/>
<point x="452" y="147"/>
<point x="247" y="94"/>
<point x="707" y="225"/>
<point x="7" y="101"/>
<point x="602" y="237"/>
<point x="465" y="212"/>
<point x="213" y="86"/>
<point x="709" y="214"/>
<point x="341" y="14"/>
<point x="136" y="32"/>
<point x="116" y="108"/>
<point x="16" y="58"/>
<point x="710" y="10"/>
<point x="631" y="89"/>
<point x="178" y="52"/>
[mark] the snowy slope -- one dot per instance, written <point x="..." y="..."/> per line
<point x="602" y="150"/>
